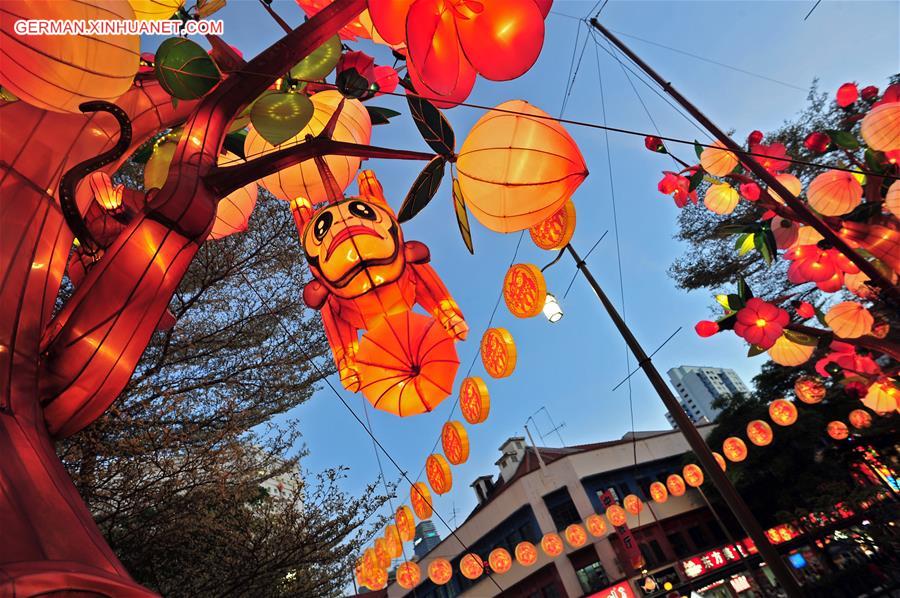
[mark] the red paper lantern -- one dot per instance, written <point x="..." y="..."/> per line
<point x="524" y="290"/>
<point x="633" y="504"/>
<point x="474" y="400"/>
<point x="809" y="389"/>
<point x="735" y="449"/>
<point x="658" y="492"/>
<point x="596" y="525"/>
<point x="759" y="432"/>
<point x="693" y="475"/>
<point x="552" y="544"/>
<point x="782" y="412"/>
<point x="499" y="560"/>
<point x="860" y="418"/>
<point x="406" y="523"/>
<point x="438" y="471"/>
<point x="440" y="571"/>
<point x="675" y="484"/>
<point x="471" y="566"/>
<point x="408" y="575"/>
<point x="498" y="352"/>
<point x="455" y="442"/>
<point x="556" y="231"/>
<point x="526" y="554"/>
<point x="576" y="536"/>
<point x="420" y="499"/>
<point x="616" y="515"/>
<point x="838" y="430"/>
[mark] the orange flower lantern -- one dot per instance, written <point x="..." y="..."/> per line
<point x="789" y="353"/>
<point x="440" y="571"/>
<point x="406" y="523"/>
<point x="809" y="389"/>
<point x="59" y="72"/>
<point x="474" y="400"/>
<point x="693" y="475"/>
<point x="304" y="179"/>
<point x="834" y="193"/>
<point x="455" y="442"/>
<point x="526" y="554"/>
<point x="838" y="430"/>
<point x="552" y="544"/>
<point x="393" y="541"/>
<point x="633" y="504"/>
<point x="471" y="566"/>
<point x="498" y="352"/>
<point x="516" y="170"/>
<point x="233" y="211"/>
<point x="576" y="535"/>
<point x="616" y="515"/>
<point x="881" y="127"/>
<point x="849" y="319"/>
<point x="675" y="484"/>
<point x="717" y="160"/>
<point x="735" y="449"/>
<point x="408" y="575"/>
<point x="790" y="182"/>
<point x="721" y="198"/>
<point x="438" y="471"/>
<point x="420" y="499"/>
<point x="596" y="525"/>
<point x="720" y="460"/>
<point x="782" y="412"/>
<point x="524" y="290"/>
<point x="382" y="553"/>
<point x="882" y="397"/>
<point x="759" y="432"/>
<point x="556" y="231"/>
<point x="658" y="492"/>
<point x="860" y="418"/>
<point x="499" y="560"/>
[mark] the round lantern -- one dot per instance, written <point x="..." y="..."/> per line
<point x="785" y="231"/>
<point x="693" y="475"/>
<point x="892" y="199"/>
<point x="524" y="290"/>
<point x="552" y="544"/>
<point x="498" y="352"/>
<point x="576" y="536"/>
<point x="809" y="389"/>
<point x="304" y="179"/>
<point x="438" y="471"/>
<point x="155" y="10"/>
<point x="440" y="571"/>
<point x="556" y="231"/>
<point x="377" y="578"/>
<point x="596" y="525"/>
<point x="455" y="442"/>
<point x="882" y="397"/>
<point x="834" y="193"/>
<point x="393" y="541"/>
<point x="735" y="449"/>
<point x="658" y="492"/>
<point x="60" y="72"/>
<point x="782" y="412"/>
<point x="406" y="524"/>
<point x="788" y="353"/>
<point x="723" y="465"/>
<point x="233" y="211"/>
<point x="616" y="515"/>
<point x="790" y="182"/>
<point x="721" y="198"/>
<point x="633" y="504"/>
<point x="675" y="484"/>
<point x="408" y="575"/>
<point x="881" y="127"/>
<point x="516" y="170"/>
<point x="849" y="319"/>
<point x="471" y="566"/>
<point x="759" y="432"/>
<point x="499" y="560"/>
<point x="420" y="499"/>
<point x="382" y="554"/>
<point x="717" y="160"/>
<point x="838" y="430"/>
<point x="474" y="400"/>
<point x="526" y="554"/>
<point x="860" y="418"/>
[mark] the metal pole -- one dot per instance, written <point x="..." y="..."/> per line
<point x="891" y="291"/>
<point x="698" y="445"/>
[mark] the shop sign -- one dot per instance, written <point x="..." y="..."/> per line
<point x="712" y="560"/>
<point x="620" y="590"/>
<point x="631" y="546"/>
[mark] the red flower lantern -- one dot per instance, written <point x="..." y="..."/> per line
<point x="772" y="157"/>
<point x="693" y="475"/>
<point x="576" y="536"/>
<point x="825" y="267"/>
<point x="760" y="323"/>
<point x="471" y="566"/>
<point x="616" y="515"/>
<point x="782" y="412"/>
<point x="440" y="571"/>
<point x="759" y="432"/>
<point x="869" y="92"/>
<point x="675" y="484"/>
<point x="658" y="492"/>
<point x="706" y="328"/>
<point x="557" y="230"/>
<point x="809" y="389"/>
<point x="754" y="138"/>
<point x="526" y="554"/>
<point x="455" y="442"/>
<point x="678" y="187"/>
<point x="524" y="290"/>
<point x="499" y="560"/>
<point x="847" y="94"/>
<point x="735" y="449"/>
<point x="406" y="523"/>
<point x="838" y="430"/>
<point x="474" y="400"/>
<point x="498" y="352"/>
<point x="633" y="504"/>
<point x="817" y="142"/>
<point x="438" y="472"/>
<point x="860" y="418"/>
<point x="720" y="460"/>
<point x="552" y="544"/>
<point x="596" y="525"/>
<point x="420" y="499"/>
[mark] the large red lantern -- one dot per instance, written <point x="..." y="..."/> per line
<point x="556" y="231"/>
<point x="406" y="523"/>
<point x="616" y="515"/>
<point x="596" y="525"/>
<point x="455" y="442"/>
<point x="838" y="430"/>
<point x="633" y="504"/>
<point x="675" y="484"/>
<point x="658" y="492"/>
<point x="498" y="352"/>
<point x="524" y="290"/>
<point x="438" y="471"/>
<point x="420" y="499"/>
<point x="693" y="475"/>
<point x="474" y="400"/>
<point x="576" y="536"/>
<point x="471" y="566"/>
<point x="782" y="412"/>
<point x="499" y="560"/>
<point x="809" y="389"/>
<point x="735" y="449"/>
<point x="440" y="571"/>
<point x="526" y="554"/>
<point x="860" y="418"/>
<point x="408" y="575"/>
<point x="759" y="432"/>
<point x="552" y="544"/>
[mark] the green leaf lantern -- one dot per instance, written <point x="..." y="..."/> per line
<point x="320" y="62"/>
<point x="184" y="69"/>
<point x="279" y="116"/>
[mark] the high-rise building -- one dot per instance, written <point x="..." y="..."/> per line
<point x="426" y="538"/>
<point x="698" y="387"/>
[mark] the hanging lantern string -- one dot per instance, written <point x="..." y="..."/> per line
<point x="347" y="406"/>
<point x="641" y="363"/>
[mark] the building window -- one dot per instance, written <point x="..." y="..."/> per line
<point x="592" y="578"/>
<point x="561" y="508"/>
<point x="679" y="545"/>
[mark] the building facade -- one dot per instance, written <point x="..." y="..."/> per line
<point x="697" y="387"/>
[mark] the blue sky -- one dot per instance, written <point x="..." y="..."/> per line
<point x="570" y="367"/>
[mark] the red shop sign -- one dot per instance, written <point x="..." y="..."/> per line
<point x="627" y="538"/>
<point x="620" y="590"/>
<point x="714" y="559"/>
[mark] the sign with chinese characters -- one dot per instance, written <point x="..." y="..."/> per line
<point x="620" y="590"/>
<point x="714" y="559"/>
<point x="631" y="546"/>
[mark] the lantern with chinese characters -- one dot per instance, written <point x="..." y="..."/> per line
<point x="717" y="160"/>
<point x="881" y="127"/>
<point x="576" y="536"/>
<point x="455" y="442"/>
<point x="720" y="460"/>
<point x="406" y="523"/>
<point x="393" y="541"/>
<point x="552" y="544"/>
<point x="809" y="389"/>
<point x="438" y="471"/>
<point x="675" y="484"/>
<point x="782" y="412"/>
<point x="633" y="504"/>
<point x="658" y="492"/>
<point x="498" y="352"/>
<point x="420" y="499"/>
<point x="735" y="449"/>
<point x="474" y="400"/>
<point x="596" y="525"/>
<point x="860" y="418"/>
<point x="834" y="193"/>
<point x="838" y="430"/>
<point x="517" y="167"/>
<point x="440" y="571"/>
<point x="526" y="554"/>
<point x="693" y="475"/>
<point x="471" y="566"/>
<point x="759" y="432"/>
<point x="524" y="290"/>
<point x="616" y="515"/>
<point x="556" y="231"/>
<point x="882" y="397"/>
<point x="382" y="554"/>
<point x="849" y="319"/>
<point x="408" y="575"/>
<point x="499" y="560"/>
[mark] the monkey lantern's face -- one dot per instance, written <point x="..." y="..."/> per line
<point x="353" y="246"/>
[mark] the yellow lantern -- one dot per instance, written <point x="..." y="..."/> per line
<point x="524" y="290"/>
<point x="675" y="484"/>
<point x="499" y="560"/>
<point x="834" y="193"/>
<point x="420" y="499"/>
<point x="552" y="544"/>
<point x="474" y="400"/>
<point x="408" y="575"/>
<point x="596" y="525"/>
<point x="393" y="541"/>
<point x="455" y="442"/>
<point x="882" y="397"/>
<point x="526" y="554"/>
<point x="517" y="167"/>
<point x="782" y="412"/>
<point x="892" y="199"/>
<point x="838" y="430"/>
<point x="406" y="523"/>
<point x="718" y="161"/>
<point x="788" y="353"/>
<point x="155" y="10"/>
<point x="438" y="471"/>
<point x="616" y="515"/>
<point x="860" y="418"/>
<point x="735" y="449"/>
<point x="633" y="504"/>
<point x="720" y="460"/>
<point x="498" y="352"/>
<point x="881" y="127"/>
<point x="471" y="566"/>
<point x="721" y="198"/>
<point x="693" y="475"/>
<point x="759" y="432"/>
<point x="556" y="231"/>
<point x="658" y="492"/>
<point x="440" y="571"/>
<point x="849" y="319"/>
<point x="790" y="182"/>
<point x="809" y="389"/>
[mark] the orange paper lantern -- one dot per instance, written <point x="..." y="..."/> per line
<point x="809" y="389"/>
<point x="675" y="484"/>
<point x="382" y="553"/>
<point x="438" y="471"/>
<point x="576" y="536"/>
<point x="596" y="525"/>
<point x="735" y="449"/>
<point x="633" y="504"/>
<point x="790" y="182"/>
<point x="455" y="442"/>
<point x="721" y="198"/>
<point x="556" y="231"/>
<point x="420" y="499"/>
<point x="471" y="566"/>
<point x="233" y="211"/>
<point x="616" y="515"/>
<point x="788" y="353"/>
<point x="782" y="412"/>
<point x="377" y="578"/>
<point x="516" y="170"/>
<point x="881" y="127"/>
<point x="526" y="554"/>
<point x="834" y="193"/>
<point x="720" y="460"/>
<point x="838" y="430"/>
<point x="474" y="400"/>
<point x="759" y="432"/>
<point x="882" y="397"/>
<point x="693" y="475"/>
<point x="440" y="571"/>
<point x="658" y="492"/>
<point x="860" y="418"/>
<point x="552" y="544"/>
<point x="892" y="199"/>
<point x="406" y="524"/>
<point x="498" y="352"/>
<point x="408" y="575"/>
<point x="393" y="541"/>
<point x="717" y="160"/>
<point x="499" y="560"/>
<point x="524" y="290"/>
<point x="849" y="319"/>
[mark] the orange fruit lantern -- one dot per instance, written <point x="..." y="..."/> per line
<point x="658" y="492"/>
<point x="576" y="536"/>
<point x="420" y="499"/>
<point x="860" y="418"/>
<point x="440" y="571"/>
<point x="782" y="412"/>
<point x="717" y="160"/>
<point x="834" y="193"/>
<point x="759" y="432"/>
<point x="455" y="442"/>
<point x="517" y="167"/>
<point x="675" y="484"/>
<point x="474" y="400"/>
<point x="407" y="363"/>
<point x="721" y="198"/>
<point x="693" y="475"/>
<point x="406" y="523"/>
<point x="526" y="554"/>
<point x="498" y="352"/>
<point x="881" y="127"/>
<point x="499" y="560"/>
<point x="809" y="389"/>
<point x="882" y="397"/>
<point x="616" y="515"/>
<point x="408" y="575"/>
<point x="838" y="430"/>
<point x="849" y="319"/>
<point x="596" y="525"/>
<point x="735" y="449"/>
<point x="524" y="290"/>
<point x="552" y="544"/>
<point x="438" y="471"/>
<point x="471" y="566"/>
<point x="556" y="231"/>
<point x="789" y="353"/>
<point x="720" y="460"/>
<point x="633" y="504"/>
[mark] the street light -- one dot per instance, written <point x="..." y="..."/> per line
<point x="552" y="309"/>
